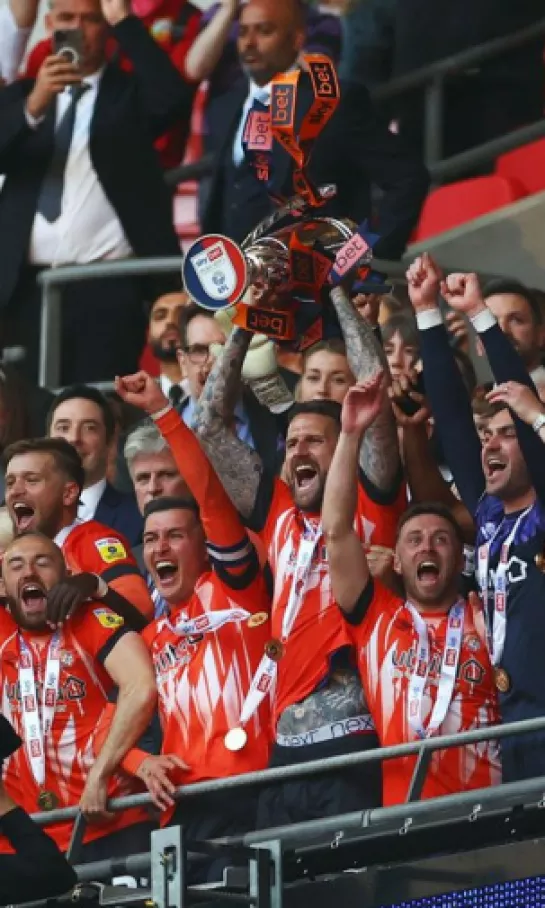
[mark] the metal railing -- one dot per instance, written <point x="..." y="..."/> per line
<point x="52" y="279"/>
<point x="432" y="79"/>
<point x="423" y="750"/>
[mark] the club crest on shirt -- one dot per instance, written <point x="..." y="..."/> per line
<point x="111" y="549"/>
<point x="107" y="618"/>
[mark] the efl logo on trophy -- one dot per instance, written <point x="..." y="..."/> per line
<point x="214" y="272"/>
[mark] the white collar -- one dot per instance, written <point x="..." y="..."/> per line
<point x="90" y="498"/>
<point x="93" y="80"/>
<point x="263" y="92"/>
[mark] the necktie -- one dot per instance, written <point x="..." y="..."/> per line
<point x="175" y="394"/>
<point x="49" y="201"/>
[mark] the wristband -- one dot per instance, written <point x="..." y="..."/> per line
<point x="429" y="318"/>
<point x="483" y="320"/>
<point x="538" y="423"/>
<point x="102" y="587"/>
<point x="163" y="412"/>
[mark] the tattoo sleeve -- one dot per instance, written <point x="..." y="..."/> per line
<point x="342" y="698"/>
<point x="379" y="454"/>
<point x="237" y="465"/>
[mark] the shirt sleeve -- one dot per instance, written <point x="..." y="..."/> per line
<point x="374" y="601"/>
<point x="231" y="553"/>
<point x="100" y="630"/>
<point x="13" y="42"/>
<point x="452" y="412"/>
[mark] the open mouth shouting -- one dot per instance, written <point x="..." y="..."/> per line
<point x="306" y="480"/>
<point x="167" y="573"/>
<point x="428" y="572"/>
<point x="33" y="597"/>
<point x="23" y="516"/>
<point x="494" y="468"/>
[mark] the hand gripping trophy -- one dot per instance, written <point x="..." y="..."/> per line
<point x="294" y="257"/>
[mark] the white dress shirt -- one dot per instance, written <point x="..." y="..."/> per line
<point x="88" y="227"/>
<point x="538" y="376"/>
<point x="13" y="41"/>
<point x="89" y="500"/>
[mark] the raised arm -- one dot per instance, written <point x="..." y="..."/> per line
<point x="463" y="293"/>
<point x="230" y="550"/>
<point x="445" y="388"/>
<point x="379" y="455"/>
<point x="421" y="469"/>
<point x="165" y="97"/>
<point x="523" y="402"/>
<point x="16" y="21"/>
<point x="348" y="566"/>
<point x="207" y="48"/>
<point x="239" y="467"/>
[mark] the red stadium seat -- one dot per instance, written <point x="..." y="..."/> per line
<point x="455" y="204"/>
<point x="526" y="165"/>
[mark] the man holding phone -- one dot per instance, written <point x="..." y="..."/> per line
<point x="83" y="183"/>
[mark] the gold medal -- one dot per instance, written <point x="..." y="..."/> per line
<point x="274" y="649"/>
<point x="48" y="800"/>
<point x="235" y="739"/>
<point x="540" y="562"/>
<point x="502" y="680"/>
<point x="258" y="619"/>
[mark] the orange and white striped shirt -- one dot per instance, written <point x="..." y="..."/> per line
<point x="82" y="698"/>
<point x="319" y="629"/>
<point x="387" y="641"/>
<point x="203" y="680"/>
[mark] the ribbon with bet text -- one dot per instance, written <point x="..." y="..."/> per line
<point x="263" y="125"/>
<point x="38" y="727"/>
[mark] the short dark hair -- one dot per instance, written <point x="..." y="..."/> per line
<point x="437" y="509"/>
<point x="187" y="315"/>
<point x="329" y="408"/>
<point x="85" y="392"/>
<point x="508" y="285"/>
<point x="158" y="505"/>
<point x="405" y="324"/>
<point x="67" y="459"/>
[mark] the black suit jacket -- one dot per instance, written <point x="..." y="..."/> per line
<point x="131" y="110"/>
<point x="354" y="150"/>
<point x="120" y="512"/>
<point x="37" y="870"/>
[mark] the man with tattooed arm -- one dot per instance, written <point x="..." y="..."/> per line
<point x="319" y="709"/>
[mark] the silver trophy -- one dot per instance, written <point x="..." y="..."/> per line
<point x="277" y="260"/>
